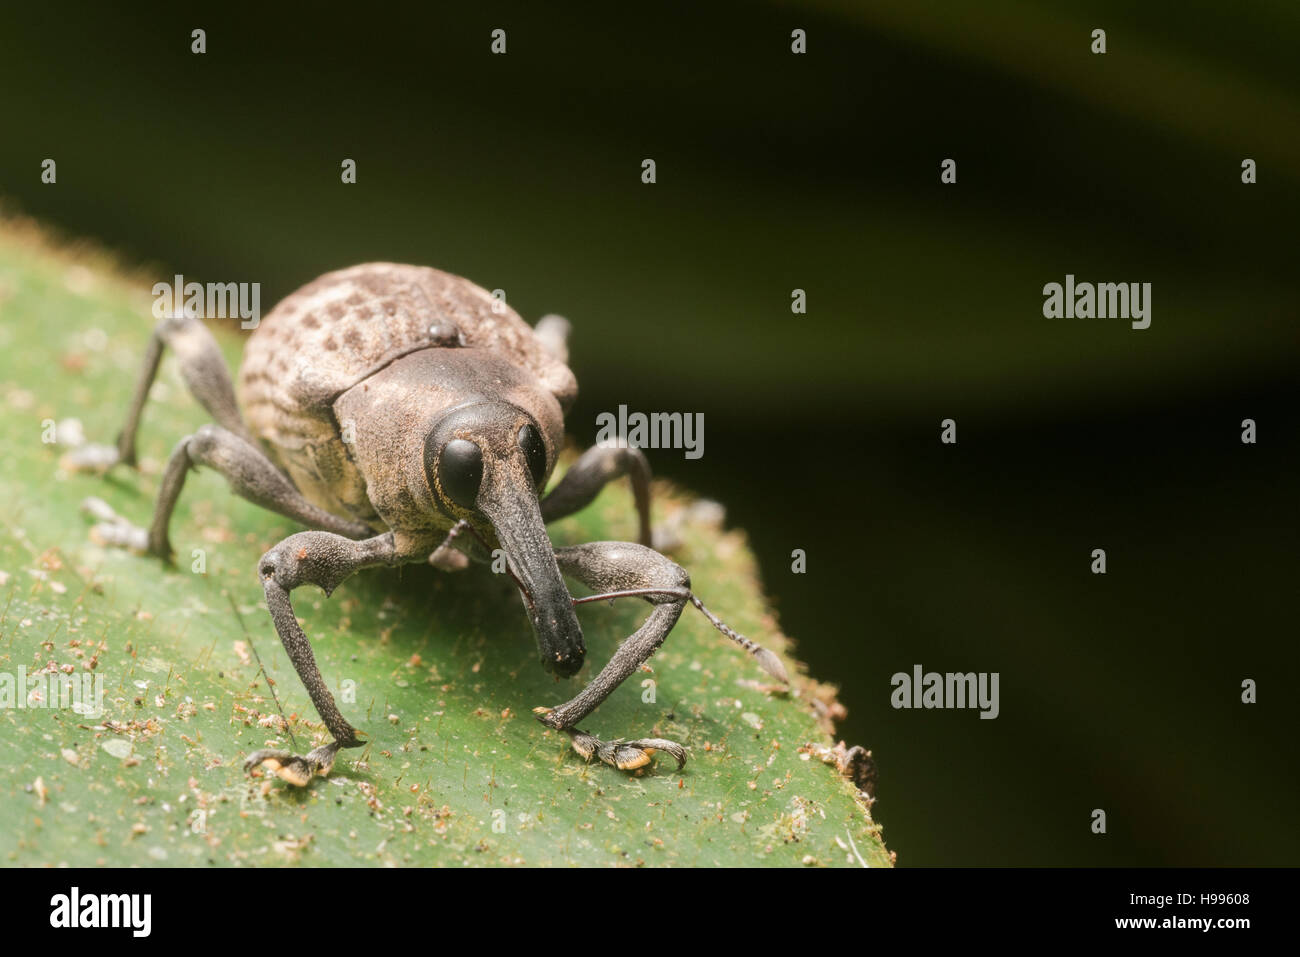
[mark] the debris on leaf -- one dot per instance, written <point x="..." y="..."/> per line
<point x="855" y="763"/>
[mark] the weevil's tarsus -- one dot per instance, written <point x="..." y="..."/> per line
<point x="629" y="753"/>
<point x="624" y="755"/>
<point x="99" y="510"/>
<point x="90" y="457"/>
<point x="466" y="541"/>
<point x="297" y="770"/>
<point x="447" y="557"/>
<point x="112" y="530"/>
<point x="449" y="560"/>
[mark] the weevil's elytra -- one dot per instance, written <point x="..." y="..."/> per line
<point x="403" y="414"/>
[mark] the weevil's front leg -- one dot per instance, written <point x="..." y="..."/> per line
<point x="620" y="566"/>
<point x="204" y="371"/>
<point x="251" y="475"/>
<point x="597" y="467"/>
<point x="324" y="560"/>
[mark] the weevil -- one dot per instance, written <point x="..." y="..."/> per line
<point x="404" y="414"/>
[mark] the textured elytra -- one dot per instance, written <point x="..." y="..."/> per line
<point x="345" y="326"/>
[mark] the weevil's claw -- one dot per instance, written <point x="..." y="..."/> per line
<point x="295" y="769"/>
<point x="646" y="747"/>
<point x="624" y="755"/>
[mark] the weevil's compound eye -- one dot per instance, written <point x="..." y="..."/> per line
<point x="530" y="440"/>
<point x="460" y="471"/>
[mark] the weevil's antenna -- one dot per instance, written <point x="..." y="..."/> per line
<point x="766" y="659"/>
<point x="262" y="668"/>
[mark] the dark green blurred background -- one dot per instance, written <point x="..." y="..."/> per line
<point x="821" y="172"/>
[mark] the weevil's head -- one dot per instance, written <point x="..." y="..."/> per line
<point x="487" y="460"/>
<point x="450" y="434"/>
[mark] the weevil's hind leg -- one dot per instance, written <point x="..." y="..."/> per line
<point x="251" y="475"/>
<point x="204" y="370"/>
<point x="553" y="331"/>
<point x="325" y="560"/>
<point x="227" y="447"/>
<point x="615" y="566"/>
<point x="597" y="467"/>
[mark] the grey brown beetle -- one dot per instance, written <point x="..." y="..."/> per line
<point x="406" y="415"/>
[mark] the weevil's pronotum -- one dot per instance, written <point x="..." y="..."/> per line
<point x="406" y="415"/>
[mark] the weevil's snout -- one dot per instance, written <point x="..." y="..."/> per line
<point x="559" y="639"/>
<point x="517" y="519"/>
<point x="489" y="458"/>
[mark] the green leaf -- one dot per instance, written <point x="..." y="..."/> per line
<point x="443" y="666"/>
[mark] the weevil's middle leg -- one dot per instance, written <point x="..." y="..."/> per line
<point x="325" y="560"/>
<point x="251" y="475"/>
<point x="597" y="467"/>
